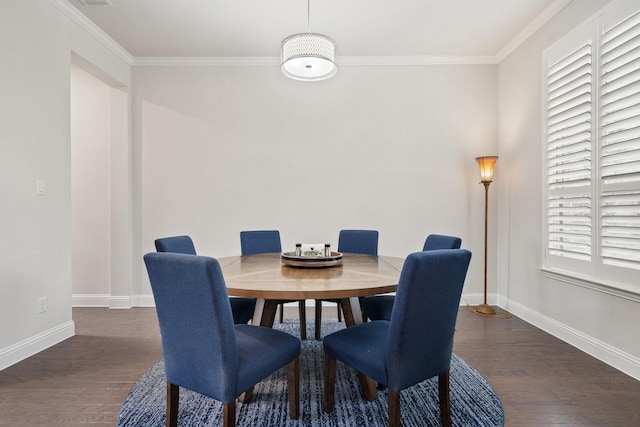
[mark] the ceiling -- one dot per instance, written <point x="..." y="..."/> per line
<point x="361" y="28"/>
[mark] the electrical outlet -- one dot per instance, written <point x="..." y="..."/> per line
<point x="42" y="305"/>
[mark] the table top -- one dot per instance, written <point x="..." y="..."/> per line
<point x="264" y="276"/>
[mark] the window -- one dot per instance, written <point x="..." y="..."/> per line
<point x="592" y="149"/>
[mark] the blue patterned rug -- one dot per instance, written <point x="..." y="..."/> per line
<point x="473" y="401"/>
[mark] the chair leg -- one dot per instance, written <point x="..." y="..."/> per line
<point x="173" y="396"/>
<point x="368" y="385"/>
<point x="362" y="313"/>
<point x="394" y="408"/>
<point x="318" y="318"/>
<point x="229" y="414"/>
<point x="281" y="313"/>
<point x="444" y="397"/>
<point x="303" y="319"/>
<point x="246" y="396"/>
<point x="339" y="312"/>
<point x="329" y="383"/>
<point x="269" y="311"/>
<point x="347" y="311"/>
<point x="293" y="379"/>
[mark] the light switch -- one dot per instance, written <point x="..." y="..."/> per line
<point x="41" y="187"/>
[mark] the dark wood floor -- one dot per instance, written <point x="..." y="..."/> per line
<point x="540" y="380"/>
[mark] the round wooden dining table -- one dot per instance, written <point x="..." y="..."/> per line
<point x="266" y="278"/>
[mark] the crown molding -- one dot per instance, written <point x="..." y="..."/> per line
<point x="552" y="10"/>
<point x="92" y="29"/>
<point x="415" y="60"/>
<point x="342" y="61"/>
<point x="256" y="61"/>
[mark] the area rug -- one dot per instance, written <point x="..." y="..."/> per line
<point x="473" y="401"/>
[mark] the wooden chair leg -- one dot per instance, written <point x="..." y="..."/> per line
<point x="229" y="414"/>
<point x="173" y="396"/>
<point x="345" y="305"/>
<point x="318" y="318"/>
<point x="303" y="319"/>
<point x="329" y="383"/>
<point x="394" y="408"/>
<point x="246" y="396"/>
<point x="281" y="313"/>
<point x="444" y="397"/>
<point x="269" y="311"/>
<point x="368" y="386"/>
<point x="293" y="379"/>
<point x="339" y="312"/>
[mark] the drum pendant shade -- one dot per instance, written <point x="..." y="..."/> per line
<point x="308" y="57"/>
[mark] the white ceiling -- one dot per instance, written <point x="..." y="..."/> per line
<point x="361" y="28"/>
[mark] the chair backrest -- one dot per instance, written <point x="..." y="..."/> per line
<point x="176" y="244"/>
<point x="198" y="336"/>
<point x="260" y="242"/>
<point x="358" y="241"/>
<point x="439" y="241"/>
<point x="424" y="316"/>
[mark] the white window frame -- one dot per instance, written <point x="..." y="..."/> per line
<point x="593" y="273"/>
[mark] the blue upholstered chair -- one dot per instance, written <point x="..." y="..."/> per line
<point x="353" y="241"/>
<point x="416" y="344"/>
<point x="378" y="307"/>
<point x="176" y="244"/>
<point x="260" y="242"/>
<point x="358" y="241"/>
<point x="203" y="350"/>
<point x="265" y="241"/>
<point x="241" y="308"/>
<point x="440" y="241"/>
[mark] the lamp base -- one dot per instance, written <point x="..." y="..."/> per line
<point x="484" y="309"/>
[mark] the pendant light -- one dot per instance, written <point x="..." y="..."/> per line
<point x="308" y="56"/>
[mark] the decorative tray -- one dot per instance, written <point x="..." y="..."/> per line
<point x="311" y="260"/>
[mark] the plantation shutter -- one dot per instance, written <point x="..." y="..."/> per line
<point x="569" y="171"/>
<point x="619" y="150"/>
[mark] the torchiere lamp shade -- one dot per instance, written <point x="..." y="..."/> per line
<point x="486" y="164"/>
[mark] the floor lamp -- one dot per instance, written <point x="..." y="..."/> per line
<point x="486" y="164"/>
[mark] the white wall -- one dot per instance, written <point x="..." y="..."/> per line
<point x="599" y="323"/>
<point x="36" y="41"/>
<point x="90" y="183"/>
<point x="35" y="259"/>
<point x="225" y="149"/>
<point x="101" y="188"/>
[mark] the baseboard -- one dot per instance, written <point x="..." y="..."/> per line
<point x="102" y="300"/>
<point x="123" y="301"/>
<point x="477" y="299"/>
<point x="602" y="351"/>
<point x="90" y="300"/>
<point x="146" y="300"/>
<point x="35" y="344"/>
<point x="143" y="301"/>
<point x="467" y="299"/>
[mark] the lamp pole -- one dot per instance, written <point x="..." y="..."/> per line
<point x="486" y="165"/>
